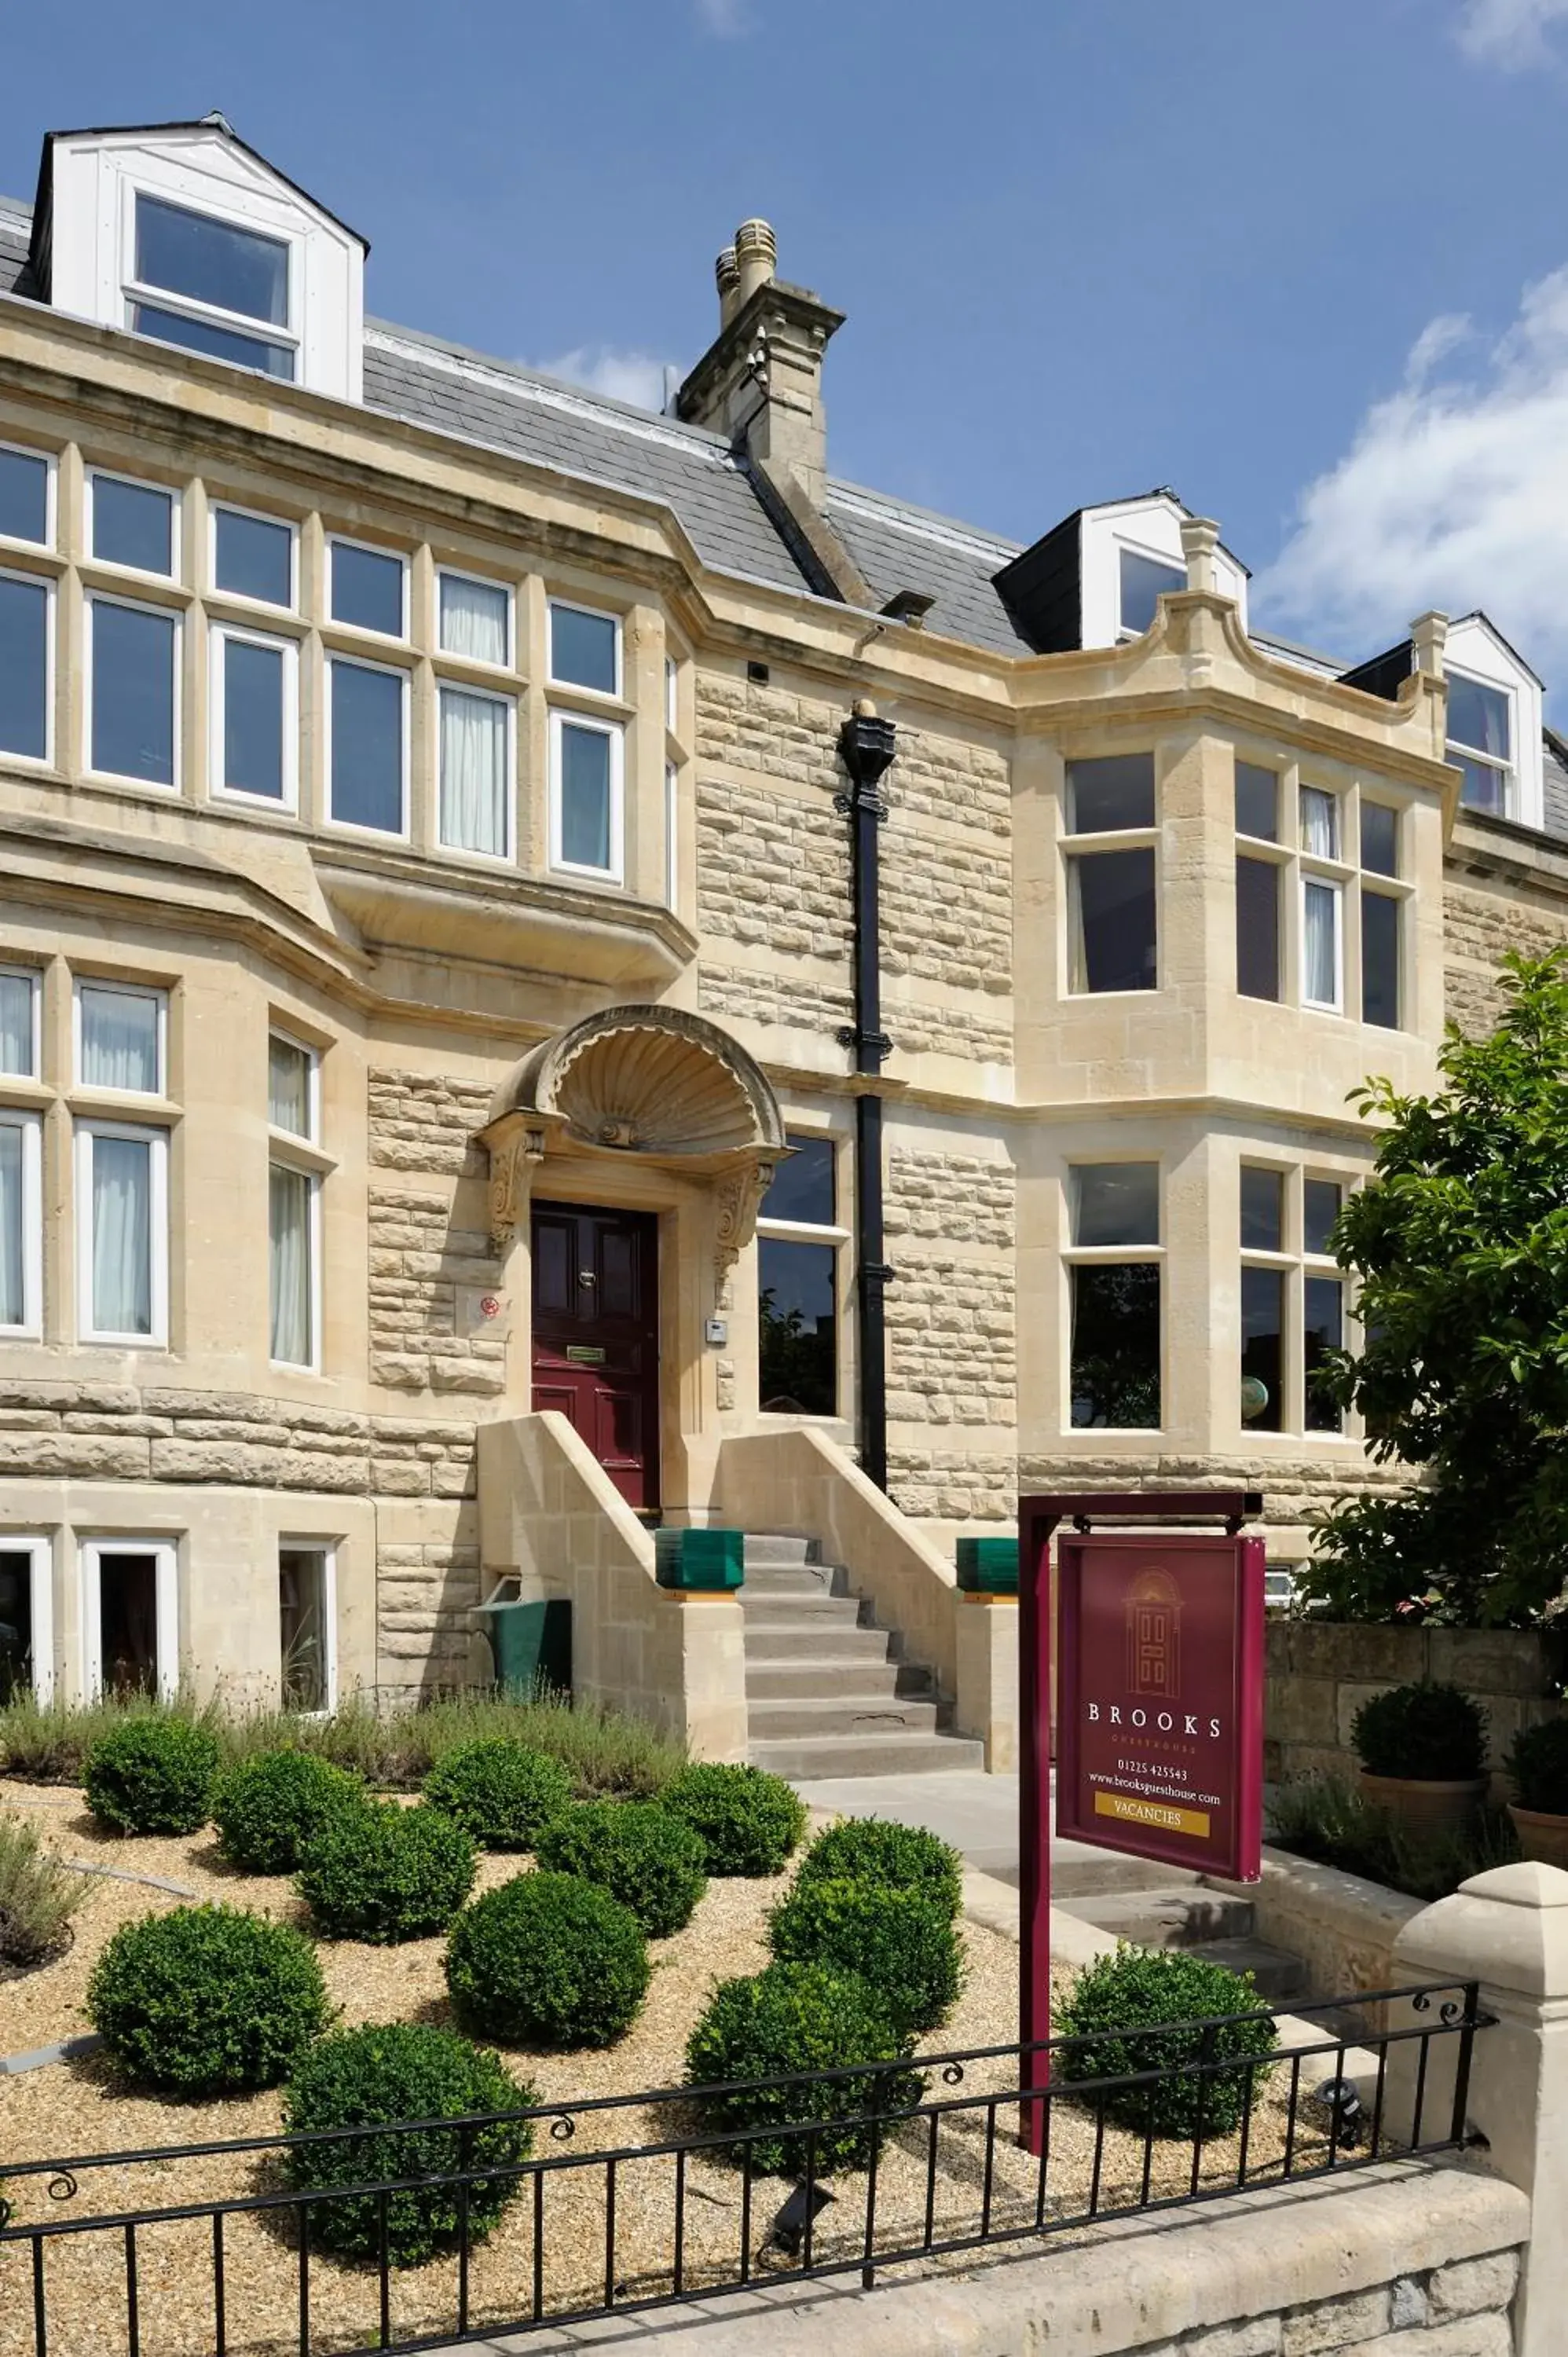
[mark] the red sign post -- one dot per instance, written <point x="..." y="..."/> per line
<point x="1159" y="1683"/>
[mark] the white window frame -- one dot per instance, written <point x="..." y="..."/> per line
<point x="34" y="980"/>
<point x="170" y="491"/>
<point x="672" y="836"/>
<point x="507" y="856"/>
<point x="597" y="613"/>
<point x="46" y="583"/>
<point x="252" y="515"/>
<point x="1508" y="770"/>
<point x="671" y="697"/>
<point x="311" y="1363"/>
<point x="396" y="670"/>
<point x="397" y="556"/>
<point x="615" y="730"/>
<point x="1335" y="886"/>
<point x="135" y="290"/>
<point x="479" y="581"/>
<point x="30" y="1124"/>
<point x="219" y="635"/>
<point x="313" y="1087"/>
<point x="51" y="494"/>
<point x="167" y="1608"/>
<point x="86" y="1130"/>
<point x="40" y="1551"/>
<point x="92" y="598"/>
<point x="328" y="1550"/>
<point x="82" y="983"/>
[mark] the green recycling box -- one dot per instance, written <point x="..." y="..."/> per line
<point x="531" y="1638"/>
<point x="988" y="1567"/>
<point x="699" y="1559"/>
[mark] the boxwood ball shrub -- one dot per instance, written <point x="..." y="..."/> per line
<point x="548" y="1960"/>
<point x="152" y="1775"/>
<point x="1117" y="2007"/>
<point x="748" y="1822"/>
<point x="269" y="1807"/>
<point x="385" y="1873"/>
<point x="647" y="1857"/>
<point x="502" y="1794"/>
<point x="207" y="2000"/>
<point x="1537" y="1768"/>
<point x="1427" y="1730"/>
<point x="403" y="2070"/>
<point x="903" y="1942"/>
<point x="896" y="1857"/>
<point x="789" y="2019"/>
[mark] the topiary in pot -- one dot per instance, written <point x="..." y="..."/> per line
<point x="776" y="2024"/>
<point x="1422" y="1750"/>
<point x="548" y="1960"/>
<point x="647" y="1857"/>
<point x="903" y="1942"/>
<point x="207" y="2000"/>
<point x="748" y="1821"/>
<point x="1537" y="1772"/>
<point x="385" y="1873"/>
<point x="1142" y="2009"/>
<point x="500" y="1793"/>
<point x="152" y="1774"/>
<point x="896" y="1857"/>
<point x="269" y="1808"/>
<point x="404" y="2070"/>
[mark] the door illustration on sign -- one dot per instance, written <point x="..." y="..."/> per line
<point x="1153" y="1636"/>
<point x="596" y="1335"/>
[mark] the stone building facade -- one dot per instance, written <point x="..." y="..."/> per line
<point x="428" y="971"/>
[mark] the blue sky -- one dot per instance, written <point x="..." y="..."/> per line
<point x="1305" y="260"/>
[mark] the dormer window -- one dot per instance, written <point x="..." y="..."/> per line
<point x="1143" y="581"/>
<point x="1480" y="744"/>
<point x="209" y="285"/>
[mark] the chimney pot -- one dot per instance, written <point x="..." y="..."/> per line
<point x="755" y="253"/>
<point x="726" y="271"/>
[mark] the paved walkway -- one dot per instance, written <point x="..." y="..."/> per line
<point x="979" y="1815"/>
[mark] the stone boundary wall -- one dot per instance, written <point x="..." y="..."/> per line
<point x="1320" y="1672"/>
<point x="1294" y="1488"/>
<point x="1394" y="2261"/>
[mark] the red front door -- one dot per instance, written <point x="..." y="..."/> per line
<point x="596" y="1335"/>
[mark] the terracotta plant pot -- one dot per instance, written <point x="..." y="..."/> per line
<point x="1541" y="1837"/>
<point x="1427" y="1805"/>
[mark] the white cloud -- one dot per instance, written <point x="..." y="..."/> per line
<point x="726" y="18"/>
<point x="1508" y="33"/>
<point x="636" y="377"/>
<point x="1453" y="493"/>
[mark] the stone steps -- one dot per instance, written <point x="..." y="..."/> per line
<point x="1212" y="1924"/>
<point x="827" y="1695"/>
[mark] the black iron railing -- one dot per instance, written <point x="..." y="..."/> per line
<point x="627" y="2202"/>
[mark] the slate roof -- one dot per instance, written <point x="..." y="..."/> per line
<point x="900" y="547"/>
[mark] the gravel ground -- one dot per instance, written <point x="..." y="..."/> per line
<point x="78" y="2107"/>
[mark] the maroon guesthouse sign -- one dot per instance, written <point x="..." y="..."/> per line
<point x="1159" y="1689"/>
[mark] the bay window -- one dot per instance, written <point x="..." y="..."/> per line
<point x="18" y="1024"/>
<point x="26" y="483"/>
<point x="121" y="1233"/>
<point x="21" y="1223"/>
<point x="586" y="796"/>
<point x="1113" y="919"/>
<point x="584" y="649"/>
<point x="131" y="525"/>
<point x="474" y="618"/>
<point x="367" y="747"/>
<point x="476" y="769"/>
<point x="253" y="700"/>
<point x="1323" y="1298"/>
<point x="252" y="556"/>
<point x="1115" y="1281"/>
<point x="26" y="611"/>
<point x="121" y="1037"/>
<point x="132" y="691"/>
<point x="293" y="1252"/>
<point x="1292" y="1299"/>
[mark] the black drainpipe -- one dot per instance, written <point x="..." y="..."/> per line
<point x="866" y="746"/>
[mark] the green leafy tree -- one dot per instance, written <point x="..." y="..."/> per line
<point x="1460" y="1244"/>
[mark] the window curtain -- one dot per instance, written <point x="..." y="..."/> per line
<point x="473" y="619"/>
<point x="119" y="1041"/>
<point x="473" y="772"/>
<point x="288" y="1087"/>
<point x="16" y="1023"/>
<point x="1320" y="943"/>
<point x="13" y="1296"/>
<point x="289" y="1222"/>
<point x="1319" y="823"/>
<point x="122" y="1235"/>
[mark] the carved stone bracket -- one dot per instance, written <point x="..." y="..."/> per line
<point x="736" y="1201"/>
<point x="516" y="1151"/>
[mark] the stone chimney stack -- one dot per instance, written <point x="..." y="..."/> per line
<point x="760" y="379"/>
